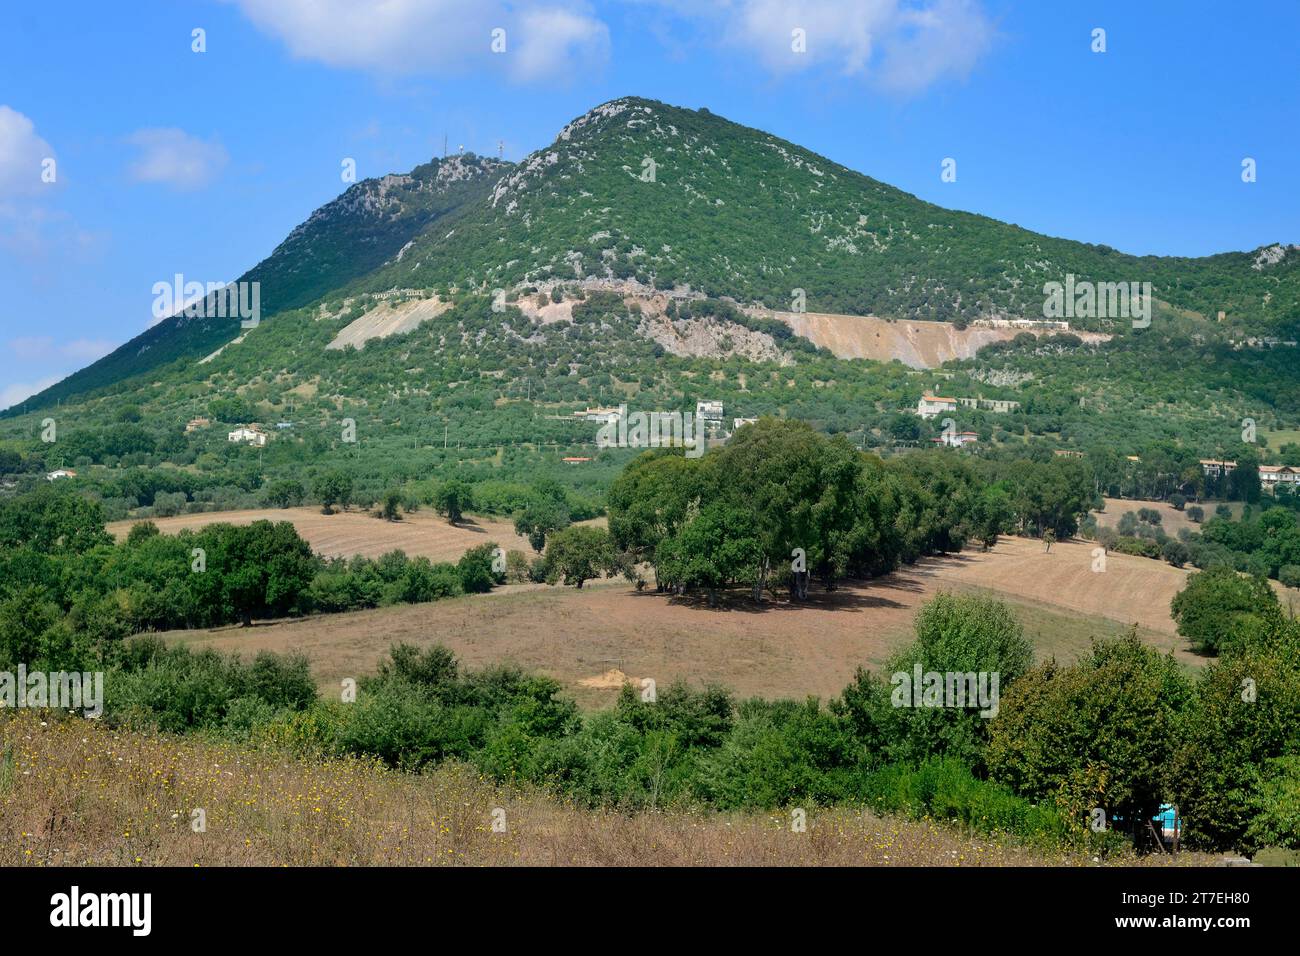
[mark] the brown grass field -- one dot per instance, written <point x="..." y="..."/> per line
<point x="1171" y="519"/>
<point x="345" y="533"/>
<point x="773" y="650"/>
<point x="75" y="793"/>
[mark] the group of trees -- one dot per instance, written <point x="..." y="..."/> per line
<point x="67" y="590"/>
<point x="1265" y="544"/>
<point x="780" y="504"/>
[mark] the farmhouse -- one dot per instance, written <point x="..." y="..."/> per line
<point x="956" y="439"/>
<point x="248" y="433"/>
<point x="60" y="473"/>
<point x="1276" y="476"/>
<point x="606" y="416"/>
<point x="737" y="422"/>
<point x="194" y="424"/>
<point x="575" y="461"/>
<point x="931" y="406"/>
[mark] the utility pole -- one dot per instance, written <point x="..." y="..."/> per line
<point x="444" y="145"/>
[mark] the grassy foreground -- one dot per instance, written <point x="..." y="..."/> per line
<point x="77" y="792"/>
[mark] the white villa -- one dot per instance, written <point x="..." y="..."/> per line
<point x="932" y="406"/>
<point x="709" y="411"/>
<point x="248" y="433"/>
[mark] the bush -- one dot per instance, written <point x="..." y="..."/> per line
<point x="1220" y="610"/>
<point x="178" y="690"/>
<point x="518" y="568"/>
<point x="476" y="569"/>
<point x="779" y="753"/>
<point x="1246" y="713"/>
<point x="954" y="634"/>
<point x="1095" y="734"/>
<point x="946" y="789"/>
<point x="1289" y="575"/>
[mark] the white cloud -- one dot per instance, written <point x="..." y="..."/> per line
<point x="410" y="37"/>
<point x="899" y="45"/>
<point x="18" y="392"/>
<point x="22" y="151"/>
<point x="548" y="39"/>
<point x="175" y="158"/>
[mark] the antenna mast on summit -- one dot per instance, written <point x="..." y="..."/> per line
<point x="501" y="148"/>
<point x="444" y="145"/>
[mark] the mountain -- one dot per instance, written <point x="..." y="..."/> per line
<point x="348" y="237"/>
<point x="673" y="197"/>
<point x="639" y="196"/>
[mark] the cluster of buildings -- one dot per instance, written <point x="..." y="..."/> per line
<point x="709" y="412"/>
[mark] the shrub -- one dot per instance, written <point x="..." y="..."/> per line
<point x="1289" y="575"/>
<point x="779" y="753"/>
<point x="1095" y="734"/>
<point x="946" y="789"/>
<point x="954" y="634"/>
<point x="476" y="569"/>
<point x="1246" y="713"/>
<point x="1220" y="610"/>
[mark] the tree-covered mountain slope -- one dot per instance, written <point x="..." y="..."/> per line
<point x="672" y="198"/>
<point x="350" y="236"/>
<point x="678" y="197"/>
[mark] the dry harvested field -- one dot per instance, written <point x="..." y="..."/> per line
<point x="772" y="650"/>
<point x="1171" y="519"/>
<point x="346" y="533"/>
<point x="76" y="793"/>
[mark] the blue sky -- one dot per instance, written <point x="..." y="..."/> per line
<point x="167" y="160"/>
